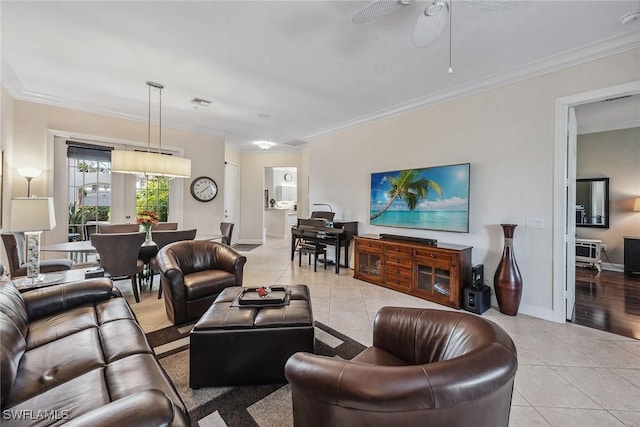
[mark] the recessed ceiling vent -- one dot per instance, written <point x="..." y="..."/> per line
<point x="201" y="102"/>
<point x="617" y="98"/>
<point x="296" y="142"/>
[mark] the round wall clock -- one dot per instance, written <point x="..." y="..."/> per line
<point x="204" y="189"/>
<point x="287" y="177"/>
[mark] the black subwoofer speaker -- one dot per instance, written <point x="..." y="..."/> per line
<point x="476" y="299"/>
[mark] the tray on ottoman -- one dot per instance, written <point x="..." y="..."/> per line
<point x="235" y="345"/>
<point x="275" y="297"/>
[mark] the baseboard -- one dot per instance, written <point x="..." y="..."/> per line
<point x="527" y="309"/>
<point x="250" y="242"/>
<point x="534" y="311"/>
<point x="277" y="236"/>
<point x="612" y="267"/>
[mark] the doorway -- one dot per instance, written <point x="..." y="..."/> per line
<point x="231" y="199"/>
<point x="564" y="193"/>
<point x="280" y="200"/>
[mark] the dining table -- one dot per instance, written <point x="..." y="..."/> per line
<point x="80" y="250"/>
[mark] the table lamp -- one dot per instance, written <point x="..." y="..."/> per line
<point x="32" y="215"/>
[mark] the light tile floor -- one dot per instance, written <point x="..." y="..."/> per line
<point x="568" y="375"/>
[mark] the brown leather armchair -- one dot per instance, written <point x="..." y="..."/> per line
<point x="426" y="367"/>
<point x="193" y="273"/>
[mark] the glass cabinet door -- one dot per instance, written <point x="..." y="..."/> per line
<point x="369" y="264"/>
<point x="434" y="279"/>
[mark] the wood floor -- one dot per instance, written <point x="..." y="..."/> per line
<point x="608" y="301"/>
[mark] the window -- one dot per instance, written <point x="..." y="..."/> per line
<point x="89" y="187"/>
<point x="152" y="193"/>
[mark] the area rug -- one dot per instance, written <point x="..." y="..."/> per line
<point x="244" y="247"/>
<point x="241" y="406"/>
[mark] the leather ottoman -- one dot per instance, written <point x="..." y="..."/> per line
<point x="232" y="345"/>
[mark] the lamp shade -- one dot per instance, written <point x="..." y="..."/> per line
<point x="636" y="205"/>
<point x="32" y="214"/>
<point x="141" y="162"/>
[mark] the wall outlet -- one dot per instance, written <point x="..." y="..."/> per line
<point x="534" y="223"/>
<point x="603" y="247"/>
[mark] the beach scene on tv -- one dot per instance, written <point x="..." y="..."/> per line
<point x="432" y="198"/>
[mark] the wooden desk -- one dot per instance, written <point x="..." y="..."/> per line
<point x="339" y="236"/>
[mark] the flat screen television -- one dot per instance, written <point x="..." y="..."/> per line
<point x="430" y="198"/>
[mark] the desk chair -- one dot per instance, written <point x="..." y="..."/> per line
<point x="309" y="247"/>
<point x="14" y="246"/>
<point x="119" y="256"/>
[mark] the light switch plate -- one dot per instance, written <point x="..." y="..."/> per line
<point x="534" y="223"/>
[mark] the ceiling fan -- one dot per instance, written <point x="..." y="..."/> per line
<point x="432" y="21"/>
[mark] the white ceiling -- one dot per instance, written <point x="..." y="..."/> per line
<point x="303" y="63"/>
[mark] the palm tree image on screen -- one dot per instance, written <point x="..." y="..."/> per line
<point x="408" y="186"/>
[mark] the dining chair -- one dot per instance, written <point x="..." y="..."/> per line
<point x="163" y="226"/>
<point x="118" y="228"/>
<point x="14" y="246"/>
<point x="119" y="256"/>
<point x="88" y="230"/>
<point x="226" y="228"/>
<point x="162" y="239"/>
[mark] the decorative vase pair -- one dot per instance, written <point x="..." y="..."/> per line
<point x="507" y="281"/>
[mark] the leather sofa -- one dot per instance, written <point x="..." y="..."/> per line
<point x="74" y="354"/>
<point x="192" y="275"/>
<point x="425" y="368"/>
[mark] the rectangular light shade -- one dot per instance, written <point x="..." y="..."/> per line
<point x="636" y="205"/>
<point x="141" y="162"/>
<point x="32" y="214"/>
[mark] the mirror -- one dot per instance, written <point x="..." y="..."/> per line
<point x="592" y="202"/>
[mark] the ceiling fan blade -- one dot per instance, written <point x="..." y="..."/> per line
<point x="430" y="24"/>
<point x="378" y="9"/>
<point x="493" y="5"/>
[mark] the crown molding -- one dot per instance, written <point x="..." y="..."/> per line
<point x="608" y="127"/>
<point x="17" y="91"/>
<point x="550" y="64"/>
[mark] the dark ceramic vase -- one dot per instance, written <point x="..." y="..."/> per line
<point x="507" y="281"/>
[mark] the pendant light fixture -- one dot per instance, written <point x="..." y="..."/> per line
<point x="146" y="162"/>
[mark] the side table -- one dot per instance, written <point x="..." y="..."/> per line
<point x="23" y="284"/>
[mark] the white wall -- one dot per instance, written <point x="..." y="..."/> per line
<point x="252" y="170"/>
<point x="6" y="144"/>
<point x="507" y="136"/>
<point x="614" y="155"/>
<point x="32" y="123"/>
